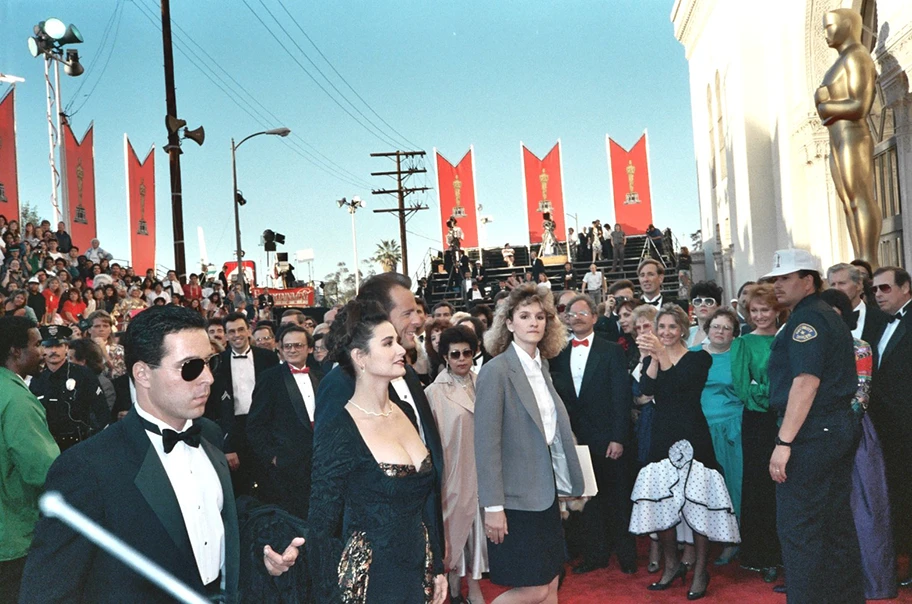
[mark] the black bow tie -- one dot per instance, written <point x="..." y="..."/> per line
<point x="654" y="302"/>
<point x="897" y="317"/>
<point x="239" y="356"/>
<point x="170" y="438"/>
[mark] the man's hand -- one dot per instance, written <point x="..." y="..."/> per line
<point x="778" y="461"/>
<point x="615" y="450"/>
<point x="440" y="589"/>
<point x="233" y="462"/>
<point x="276" y="564"/>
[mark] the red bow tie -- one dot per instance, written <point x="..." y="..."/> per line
<point x="295" y="371"/>
<point x="580" y="343"/>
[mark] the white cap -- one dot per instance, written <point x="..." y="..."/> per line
<point x="792" y="260"/>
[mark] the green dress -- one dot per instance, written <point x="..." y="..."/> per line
<point x="750" y="358"/>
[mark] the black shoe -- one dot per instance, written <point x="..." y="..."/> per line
<point x="628" y="568"/>
<point x="770" y="574"/>
<point x="681" y="572"/>
<point x="779" y="589"/>
<point x="653" y="567"/>
<point x="696" y="595"/>
<point x="587" y="567"/>
<point x="907" y="582"/>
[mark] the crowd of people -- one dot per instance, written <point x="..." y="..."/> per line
<point x="419" y="449"/>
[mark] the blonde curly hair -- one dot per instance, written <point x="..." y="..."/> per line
<point x="498" y="337"/>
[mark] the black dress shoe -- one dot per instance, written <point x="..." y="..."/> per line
<point x="587" y="567"/>
<point x="907" y="582"/>
<point x="697" y="595"/>
<point x="628" y="568"/>
<point x="659" y="586"/>
<point x="770" y="574"/>
<point x="779" y="589"/>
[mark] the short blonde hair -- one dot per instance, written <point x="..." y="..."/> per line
<point x="644" y="311"/>
<point x="498" y="337"/>
<point x="679" y="316"/>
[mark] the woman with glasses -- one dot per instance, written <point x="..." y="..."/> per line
<point x="680" y="495"/>
<point x="723" y="409"/>
<point x="705" y="298"/>
<point x="524" y="448"/>
<point x="452" y="400"/>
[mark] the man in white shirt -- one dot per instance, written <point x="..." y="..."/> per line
<point x="594" y="283"/>
<point x="157" y="479"/>
<point x="869" y="319"/>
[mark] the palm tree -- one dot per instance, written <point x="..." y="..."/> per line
<point x="388" y="255"/>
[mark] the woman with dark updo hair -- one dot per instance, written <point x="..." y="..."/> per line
<point x="371" y="539"/>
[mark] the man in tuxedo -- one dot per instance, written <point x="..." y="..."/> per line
<point x="156" y="479"/>
<point x="870" y="320"/>
<point x="538" y="267"/>
<point x="231" y="397"/>
<point x="280" y="423"/>
<point x="393" y="292"/>
<point x="891" y="402"/>
<point x="591" y="378"/>
<point x="651" y="275"/>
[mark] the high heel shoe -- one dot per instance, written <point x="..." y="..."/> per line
<point x="696" y="595"/>
<point x="659" y="586"/>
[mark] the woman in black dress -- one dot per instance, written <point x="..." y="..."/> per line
<point x="680" y="491"/>
<point x="371" y="477"/>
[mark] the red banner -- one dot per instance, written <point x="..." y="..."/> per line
<point x="295" y="296"/>
<point x="630" y="185"/>
<point x="9" y="181"/>
<point x="141" y="207"/>
<point x="79" y="159"/>
<point x="230" y="270"/>
<point x="456" y="192"/>
<point x="544" y="189"/>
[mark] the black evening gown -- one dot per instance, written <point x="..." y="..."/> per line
<point x="369" y="540"/>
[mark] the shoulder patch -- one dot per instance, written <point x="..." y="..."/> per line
<point x="804" y="333"/>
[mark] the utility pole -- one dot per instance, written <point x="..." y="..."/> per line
<point x="401" y="192"/>
<point x="173" y="148"/>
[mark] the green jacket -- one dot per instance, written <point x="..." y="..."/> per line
<point x="27" y="450"/>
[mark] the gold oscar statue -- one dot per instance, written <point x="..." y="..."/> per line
<point x="631" y="170"/>
<point x="844" y="100"/>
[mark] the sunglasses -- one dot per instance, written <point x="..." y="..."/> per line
<point x="457" y="354"/>
<point x="294" y="346"/>
<point x="884" y="288"/>
<point x="703" y="301"/>
<point x="193" y="368"/>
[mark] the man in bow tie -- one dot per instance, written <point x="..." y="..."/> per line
<point x="157" y="479"/>
<point x="869" y="319"/>
<point x="591" y="378"/>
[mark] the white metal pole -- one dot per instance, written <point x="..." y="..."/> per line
<point x="52" y="139"/>
<point x="64" y="198"/>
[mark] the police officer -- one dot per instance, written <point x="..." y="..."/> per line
<point x="71" y="395"/>
<point x="812" y="382"/>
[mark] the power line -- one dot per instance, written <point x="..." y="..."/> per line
<point x="98" y="51"/>
<point x="105" y="66"/>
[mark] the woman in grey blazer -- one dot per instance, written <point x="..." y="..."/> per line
<point x="524" y="448"/>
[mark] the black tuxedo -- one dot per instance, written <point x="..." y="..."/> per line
<point x="117" y="479"/>
<point x="337" y="387"/>
<point x="608" y="328"/>
<point x="891" y="413"/>
<point x="538" y="267"/>
<point x="875" y="322"/>
<point x="279" y="428"/>
<point x="600" y="415"/>
<point x="666" y="299"/>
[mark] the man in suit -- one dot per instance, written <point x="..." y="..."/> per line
<point x="393" y="292"/>
<point x="651" y="275"/>
<point x="870" y="320"/>
<point x="608" y="325"/>
<point x="891" y="403"/>
<point x="280" y="423"/>
<point x="591" y="377"/>
<point x="538" y="267"/>
<point x="156" y="479"/>
<point x="231" y="397"/>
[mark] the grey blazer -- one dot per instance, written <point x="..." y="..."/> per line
<point x="511" y="455"/>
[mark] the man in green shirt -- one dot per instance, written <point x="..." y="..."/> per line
<point x="27" y="449"/>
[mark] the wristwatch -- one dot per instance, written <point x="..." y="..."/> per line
<point x="780" y="442"/>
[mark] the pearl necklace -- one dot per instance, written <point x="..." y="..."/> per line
<point x="366" y="412"/>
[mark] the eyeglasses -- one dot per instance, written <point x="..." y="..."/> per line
<point x="457" y="354"/>
<point x="264" y="339"/>
<point x="294" y="346"/>
<point x="193" y="368"/>
<point x="722" y="327"/>
<point x="320" y="348"/>
<point x="582" y="313"/>
<point x="310" y="324"/>
<point x="703" y="302"/>
<point x="884" y="288"/>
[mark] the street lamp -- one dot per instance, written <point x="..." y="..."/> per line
<point x="50" y="37"/>
<point x="239" y="199"/>
<point x="353" y="205"/>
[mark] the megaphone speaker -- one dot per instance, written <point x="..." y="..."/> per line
<point x="174" y="124"/>
<point x="72" y="36"/>
<point x="197" y="136"/>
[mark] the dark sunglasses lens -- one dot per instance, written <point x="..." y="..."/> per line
<point x="192" y="369"/>
<point x="885" y="288"/>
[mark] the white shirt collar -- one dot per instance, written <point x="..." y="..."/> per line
<point x="158" y="423"/>
<point x="590" y="337"/>
<point x="651" y="300"/>
<point x="529" y="363"/>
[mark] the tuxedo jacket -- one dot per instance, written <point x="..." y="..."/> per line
<point x="875" y="323"/>
<point x="600" y="414"/>
<point x="220" y="406"/>
<point x="891" y="401"/>
<point x="117" y="479"/>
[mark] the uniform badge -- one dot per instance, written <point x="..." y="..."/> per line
<point x="804" y="333"/>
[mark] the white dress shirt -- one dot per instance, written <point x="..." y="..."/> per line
<point x="657" y="301"/>
<point x="862" y="309"/>
<point x="305" y="386"/>
<point x="593" y="281"/>
<point x="533" y="370"/>
<point x="579" y="356"/>
<point x="243" y="379"/>
<point x="888" y="333"/>
<point x="199" y="494"/>
<point x="405" y="395"/>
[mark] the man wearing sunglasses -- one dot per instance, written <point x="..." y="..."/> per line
<point x="157" y="479"/>
<point x="891" y="403"/>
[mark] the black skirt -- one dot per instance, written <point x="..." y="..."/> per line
<point x="533" y="551"/>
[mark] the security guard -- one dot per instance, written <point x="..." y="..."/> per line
<point x="71" y="395"/>
<point x="812" y="381"/>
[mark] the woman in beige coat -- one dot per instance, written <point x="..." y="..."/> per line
<point x="452" y="400"/>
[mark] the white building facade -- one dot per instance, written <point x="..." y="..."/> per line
<point x="762" y="155"/>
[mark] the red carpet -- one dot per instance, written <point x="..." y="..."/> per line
<point x="729" y="584"/>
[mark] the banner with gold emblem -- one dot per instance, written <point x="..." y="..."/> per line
<point x="543" y="181"/>
<point x="456" y="195"/>
<point x="9" y="180"/>
<point x="630" y="185"/>
<point x="79" y="162"/>
<point x="141" y="207"/>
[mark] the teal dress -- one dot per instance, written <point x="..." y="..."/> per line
<point x="723" y="409"/>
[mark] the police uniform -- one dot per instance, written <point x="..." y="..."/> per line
<point x="73" y="399"/>
<point x="814" y="518"/>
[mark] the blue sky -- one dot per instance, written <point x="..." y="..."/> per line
<point x="444" y="75"/>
